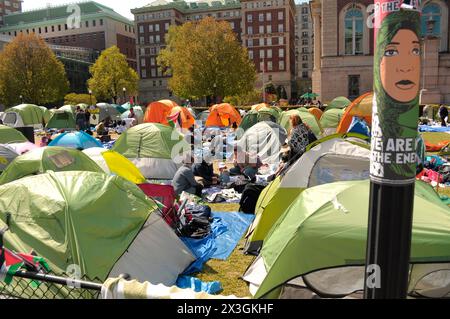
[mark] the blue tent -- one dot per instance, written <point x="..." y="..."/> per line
<point x="78" y="140"/>
<point x="359" y="126"/>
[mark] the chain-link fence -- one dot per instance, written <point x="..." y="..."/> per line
<point x="50" y="287"/>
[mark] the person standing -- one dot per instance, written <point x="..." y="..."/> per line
<point x="298" y="137"/>
<point x="80" y="119"/>
<point x="443" y="113"/>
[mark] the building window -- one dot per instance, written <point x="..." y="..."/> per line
<point x="353" y="86"/>
<point x="150" y="28"/>
<point x="261" y="67"/>
<point x="281" y="65"/>
<point x="249" y="18"/>
<point x="166" y="26"/>
<point x="261" y="29"/>
<point x="142" y="62"/>
<point x="269" y="41"/>
<point x="281" y="40"/>
<point x="305" y="34"/>
<point x="305" y="65"/>
<point x="101" y="22"/>
<point x="250" y="43"/>
<point x="141" y="29"/>
<point x="261" y="17"/>
<point x="269" y="29"/>
<point x="269" y="53"/>
<point x="53" y="28"/>
<point x="431" y="18"/>
<point x="157" y="38"/>
<point x="154" y="83"/>
<point x="157" y="27"/>
<point x="250" y="54"/>
<point x="304" y="58"/>
<point x="269" y="66"/>
<point x="354" y="29"/>
<point x="280" y="15"/>
<point x="281" y="53"/>
<point x="250" y="30"/>
<point x="261" y="54"/>
<point x="305" y="42"/>
<point x="153" y="72"/>
<point x="305" y="75"/>
<point x="144" y="73"/>
<point x="280" y="28"/>
<point x="160" y="83"/>
<point x="305" y="10"/>
<point x="142" y="51"/>
<point x="86" y="24"/>
<point x="232" y="25"/>
<point x="141" y="40"/>
<point x="152" y="62"/>
<point x="269" y="16"/>
<point x="151" y="39"/>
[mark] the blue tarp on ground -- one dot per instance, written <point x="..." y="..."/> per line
<point x="433" y="129"/>
<point x="186" y="282"/>
<point x="227" y="230"/>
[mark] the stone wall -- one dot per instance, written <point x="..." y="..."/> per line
<point x="444" y="77"/>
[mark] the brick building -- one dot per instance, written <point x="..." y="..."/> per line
<point x="97" y="27"/>
<point x="266" y="28"/>
<point x="343" y="60"/>
<point x="9" y="6"/>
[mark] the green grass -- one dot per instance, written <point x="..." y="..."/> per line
<point x="228" y="272"/>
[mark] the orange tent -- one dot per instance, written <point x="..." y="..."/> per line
<point x="183" y="116"/>
<point x="316" y="112"/>
<point x="158" y="112"/>
<point x="361" y="107"/>
<point x="223" y="115"/>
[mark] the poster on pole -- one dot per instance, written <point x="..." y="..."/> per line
<point x="397" y="74"/>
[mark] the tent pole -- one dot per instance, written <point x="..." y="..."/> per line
<point x="393" y="151"/>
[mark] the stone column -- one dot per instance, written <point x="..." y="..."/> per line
<point x="430" y="93"/>
<point x="316" y="8"/>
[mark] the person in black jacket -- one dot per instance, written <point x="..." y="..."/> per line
<point x="206" y="172"/>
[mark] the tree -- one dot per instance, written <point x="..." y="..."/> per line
<point x="74" y="99"/>
<point x="250" y="98"/>
<point x="110" y="74"/>
<point x="205" y="59"/>
<point x="30" y="69"/>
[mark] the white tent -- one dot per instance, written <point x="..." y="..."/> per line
<point x="264" y="139"/>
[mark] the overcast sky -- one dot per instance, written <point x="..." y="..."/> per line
<point x="121" y="6"/>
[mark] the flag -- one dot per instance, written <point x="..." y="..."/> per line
<point x="11" y="263"/>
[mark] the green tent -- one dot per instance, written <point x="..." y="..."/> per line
<point x="68" y="108"/>
<point x="98" y="225"/>
<point x="324" y="232"/>
<point x="152" y="147"/>
<point x="10" y="135"/>
<point x="331" y="159"/>
<point x="62" y="120"/>
<point x="264" y="114"/>
<point x="330" y="120"/>
<point x="27" y="115"/>
<point x="50" y="158"/>
<point x="340" y="102"/>
<point x="308" y="118"/>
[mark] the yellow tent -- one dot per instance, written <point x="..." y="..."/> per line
<point x="114" y="163"/>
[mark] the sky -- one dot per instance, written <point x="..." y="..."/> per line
<point x="120" y="6"/>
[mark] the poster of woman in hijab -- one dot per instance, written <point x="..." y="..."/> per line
<point x="397" y="70"/>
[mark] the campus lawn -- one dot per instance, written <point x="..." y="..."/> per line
<point x="228" y="272"/>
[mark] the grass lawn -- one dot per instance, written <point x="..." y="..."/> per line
<point x="228" y="272"/>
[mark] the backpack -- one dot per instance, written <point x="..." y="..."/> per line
<point x="250" y="197"/>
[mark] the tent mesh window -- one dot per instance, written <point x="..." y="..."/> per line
<point x="21" y="288"/>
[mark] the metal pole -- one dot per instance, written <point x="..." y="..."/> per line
<point x="397" y="68"/>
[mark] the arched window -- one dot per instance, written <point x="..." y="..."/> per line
<point x="431" y="20"/>
<point x="354" y="32"/>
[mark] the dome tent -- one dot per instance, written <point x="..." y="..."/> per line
<point x="307" y="118"/>
<point x="223" y="115"/>
<point x="79" y="140"/>
<point x="341" y="102"/>
<point x="260" y="113"/>
<point x="158" y="112"/>
<point x="7" y="155"/>
<point x="264" y="139"/>
<point x="41" y="160"/>
<point x="329" y="160"/>
<point x="330" y="121"/>
<point x="10" y="135"/>
<point x="27" y="115"/>
<point x="61" y="119"/>
<point x="152" y="147"/>
<point x="113" y="163"/>
<point x="103" y="224"/>
<point x="321" y="239"/>
<point x="362" y="108"/>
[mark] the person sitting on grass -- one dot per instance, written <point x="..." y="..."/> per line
<point x="246" y="164"/>
<point x="205" y="170"/>
<point x="184" y="179"/>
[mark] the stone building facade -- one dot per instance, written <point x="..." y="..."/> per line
<point x="343" y="60"/>
<point x="304" y="43"/>
<point x="9" y="6"/>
